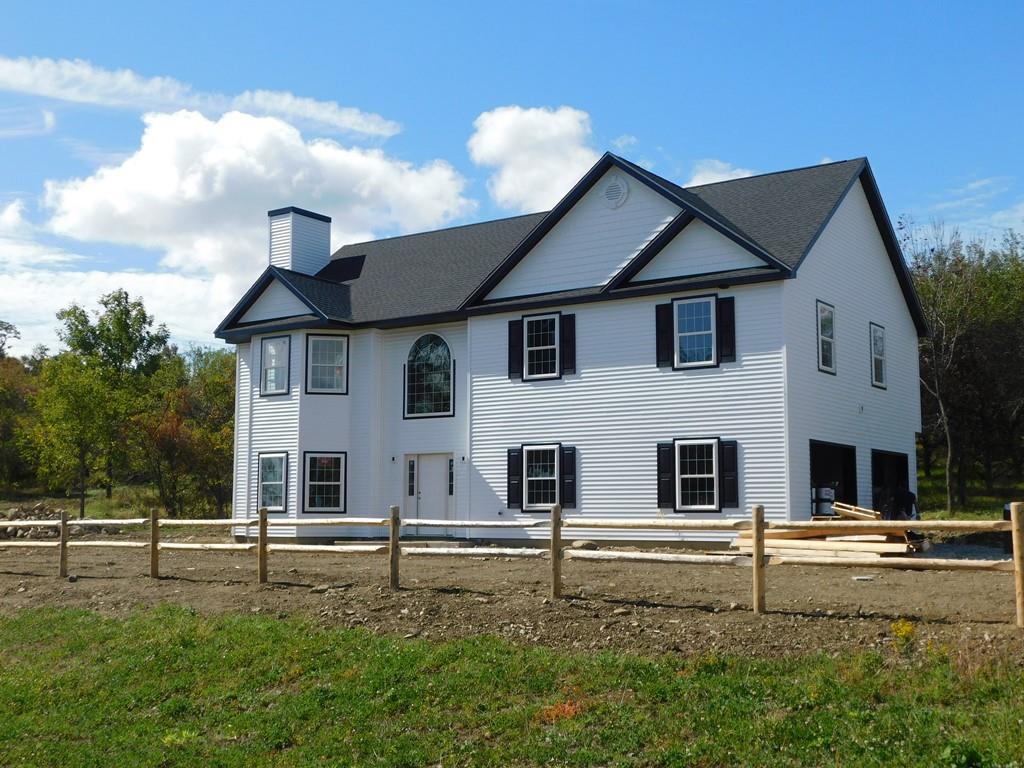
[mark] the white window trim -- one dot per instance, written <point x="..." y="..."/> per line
<point x="712" y="300"/>
<point x="287" y="365"/>
<point x="819" y="305"/>
<point x="883" y="384"/>
<point x="712" y="441"/>
<point x="306" y="481"/>
<point x="557" y="347"/>
<point x="310" y="339"/>
<point x="527" y="449"/>
<point x="284" y="480"/>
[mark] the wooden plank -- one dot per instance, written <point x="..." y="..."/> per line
<point x="824" y="532"/>
<point x="855" y="512"/>
<point x="852" y="546"/>
<point x="474" y="552"/>
<point x="825" y="553"/>
<point x="29" y="523"/>
<point x="657" y="523"/>
<point x="428" y="523"/>
<point x="874" y="526"/>
<point x="92" y="521"/>
<point x="394" y="547"/>
<point x="111" y="544"/>
<point x="206" y="546"/>
<point x="343" y="549"/>
<point x="154" y="545"/>
<point x="1017" y="521"/>
<point x="902" y="563"/>
<point x="555" y="548"/>
<point x="757" y="545"/>
<point x="5" y="543"/>
<point x="217" y="522"/>
<point x="668" y="558"/>
<point x="282" y="522"/>
<point x="261" y="547"/>
<point x="62" y="563"/>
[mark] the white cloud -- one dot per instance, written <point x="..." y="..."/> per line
<point x="19" y="246"/>
<point x="80" y="81"/>
<point x="20" y="122"/>
<point x="198" y="190"/>
<point x="825" y="160"/>
<point x="625" y="141"/>
<point x="538" y="153"/>
<point x="709" y="171"/>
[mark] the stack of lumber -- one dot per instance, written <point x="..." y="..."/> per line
<point x="818" y="539"/>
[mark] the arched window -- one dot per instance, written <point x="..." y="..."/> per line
<point x="428" y="378"/>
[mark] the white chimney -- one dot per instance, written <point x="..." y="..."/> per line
<point x="299" y="240"/>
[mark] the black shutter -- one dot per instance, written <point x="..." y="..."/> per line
<point x="567" y="343"/>
<point x="728" y="474"/>
<point x="515" y="349"/>
<point x="663" y="332"/>
<point x="666" y="476"/>
<point x="515" y="478"/>
<point x="725" y="312"/>
<point x="567" y="498"/>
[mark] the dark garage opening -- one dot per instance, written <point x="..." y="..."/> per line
<point x="888" y="470"/>
<point x="834" y="466"/>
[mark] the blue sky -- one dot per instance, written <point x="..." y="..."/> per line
<point x="141" y="145"/>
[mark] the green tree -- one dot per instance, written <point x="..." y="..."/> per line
<point x="72" y="416"/>
<point x="17" y="387"/>
<point x="7" y="332"/>
<point x="123" y="345"/>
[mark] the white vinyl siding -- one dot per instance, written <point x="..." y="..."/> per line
<point x="696" y="470"/>
<point x="273" y="481"/>
<point x="274" y="303"/>
<point x="299" y="243"/>
<point x="694" y="326"/>
<point x="540" y="347"/>
<point x="698" y="250"/>
<point x="591" y="243"/>
<point x="324" y="482"/>
<point x="540" y="476"/>
<point x="327" y="365"/>
<point x="826" y="337"/>
<point x="274" y="365"/>
<point x="877" y="355"/>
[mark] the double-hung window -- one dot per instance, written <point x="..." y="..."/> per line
<point x="272" y="481"/>
<point x="274" y="353"/>
<point x="826" y="337"/>
<point x="694" y="327"/>
<point x="540" y="347"/>
<point x="327" y="365"/>
<point x="325" y="482"/>
<point x="540" y="463"/>
<point x="878" y="372"/>
<point x="696" y="475"/>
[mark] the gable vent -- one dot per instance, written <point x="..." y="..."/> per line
<point x="615" y="192"/>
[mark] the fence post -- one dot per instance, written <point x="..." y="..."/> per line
<point x="394" y="547"/>
<point x="757" y="555"/>
<point x="62" y="568"/>
<point x="1017" y="518"/>
<point x="261" y="548"/>
<point x="154" y="544"/>
<point x="555" y="551"/>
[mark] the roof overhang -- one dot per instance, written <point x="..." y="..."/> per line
<point x="270" y="274"/>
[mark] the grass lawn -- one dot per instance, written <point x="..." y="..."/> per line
<point x="169" y="687"/>
<point x="126" y="501"/>
<point x="931" y="493"/>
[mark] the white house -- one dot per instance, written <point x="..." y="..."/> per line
<point x="641" y="349"/>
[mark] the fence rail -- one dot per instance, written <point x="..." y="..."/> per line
<point x="756" y="529"/>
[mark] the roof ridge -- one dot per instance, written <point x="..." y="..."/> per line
<point x="442" y="229"/>
<point x="774" y="173"/>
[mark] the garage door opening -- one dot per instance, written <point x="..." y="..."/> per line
<point x="833" y="468"/>
<point x="888" y="471"/>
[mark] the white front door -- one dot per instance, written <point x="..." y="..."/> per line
<point x="428" y="489"/>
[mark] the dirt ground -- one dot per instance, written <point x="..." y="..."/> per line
<point x="637" y="607"/>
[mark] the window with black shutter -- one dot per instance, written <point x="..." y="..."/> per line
<point x="515" y="349"/>
<point x="567" y="339"/>
<point x="695" y="332"/>
<point x="728" y="474"/>
<point x="666" y="477"/>
<point x="726" y="314"/>
<point x="567" y="495"/>
<point x="515" y="478"/>
<point x="698" y="475"/>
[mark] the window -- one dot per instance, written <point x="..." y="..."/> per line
<point x="428" y="378"/>
<point x="541" y="471"/>
<point x="540" y="345"/>
<point x="826" y="337"/>
<point x="695" y="332"/>
<point x="325" y="482"/>
<point x="273" y="473"/>
<point x="327" y="365"/>
<point x="451" y="477"/>
<point x="696" y="475"/>
<point x="877" y="355"/>
<point x="411" y="478"/>
<point x="274" y="362"/>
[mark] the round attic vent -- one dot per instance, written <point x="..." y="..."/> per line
<point x="615" y="191"/>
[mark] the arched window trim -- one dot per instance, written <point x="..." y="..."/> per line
<point x="405" y="381"/>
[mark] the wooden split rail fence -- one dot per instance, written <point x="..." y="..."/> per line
<point x="555" y="552"/>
